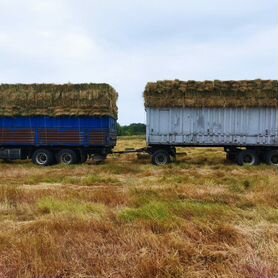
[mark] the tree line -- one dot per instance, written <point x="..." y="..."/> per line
<point x="132" y="129"/>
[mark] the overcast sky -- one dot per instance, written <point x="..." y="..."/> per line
<point x="129" y="42"/>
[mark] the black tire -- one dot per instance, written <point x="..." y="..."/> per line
<point x="83" y="157"/>
<point x="231" y="157"/>
<point x="271" y="158"/>
<point x="262" y="157"/>
<point x="248" y="158"/>
<point x="67" y="157"/>
<point x="43" y="157"/>
<point x="161" y="157"/>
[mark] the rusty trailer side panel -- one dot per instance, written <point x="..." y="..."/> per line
<point x="212" y="126"/>
<point x="48" y="136"/>
<point x="22" y="136"/>
<point x="60" y="131"/>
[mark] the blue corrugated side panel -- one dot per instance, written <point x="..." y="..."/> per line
<point x="60" y="131"/>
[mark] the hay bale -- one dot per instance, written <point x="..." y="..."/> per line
<point x="246" y="93"/>
<point x="58" y="100"/>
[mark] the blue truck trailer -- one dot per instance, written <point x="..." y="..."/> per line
<point x="46" y="140"/>
<point x="57" y="123"/>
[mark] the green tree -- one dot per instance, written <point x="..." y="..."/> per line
<point x="132" y="129"/>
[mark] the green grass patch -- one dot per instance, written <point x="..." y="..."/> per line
<point x="203" y="210"/>
<point x="176" y="179"/>
<point x="72" y="207"/>
<point x="141" y="197"/>
<point x="155" y="211"/>
<point x="45" y="178"/>
<point x="163" y="211"/>
<point x="91" y="180"/>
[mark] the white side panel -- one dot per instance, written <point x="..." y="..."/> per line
<point x="213" y="126"/>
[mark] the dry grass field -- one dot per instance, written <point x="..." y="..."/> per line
<point x="199" y="217"/>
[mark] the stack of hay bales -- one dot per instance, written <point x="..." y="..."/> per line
<point x="254" y="93"/>
<point x="58" y="100"/>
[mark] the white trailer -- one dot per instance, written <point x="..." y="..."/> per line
<point x="248" y="135"/>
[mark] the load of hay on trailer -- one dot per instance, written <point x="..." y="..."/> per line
<point x="247" y="93"/>
<point x="58" y="100"/>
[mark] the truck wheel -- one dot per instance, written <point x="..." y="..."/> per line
<point x="67" y="157"/>
<point x="83" y="157"/>
<point x="271" y="158"/>
<point x="248" y="158"/>
<point x="231" y="156"/>
<point x="161" y="157"/>
<point x="43" y="157"/>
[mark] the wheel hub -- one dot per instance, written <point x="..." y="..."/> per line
<point x="66" y="158"/>
<point x="248" y="159"/>
<point x="41" y="158"/>
<point x="161" y="159"/>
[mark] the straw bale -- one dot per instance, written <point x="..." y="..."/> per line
<point x="246" y="93"/>
<point x="58" y="100"/>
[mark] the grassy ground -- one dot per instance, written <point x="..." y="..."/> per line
<point x="199" y="217"/>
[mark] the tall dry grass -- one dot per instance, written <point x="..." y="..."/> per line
<point x="199" y="217"/>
